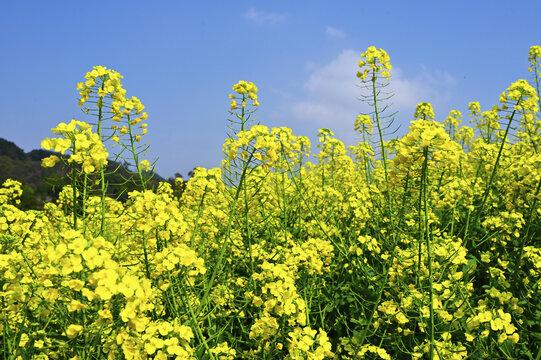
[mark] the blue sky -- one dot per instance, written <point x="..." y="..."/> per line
<point x="181" y="59"/>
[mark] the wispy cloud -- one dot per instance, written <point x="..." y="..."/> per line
<point x="263" y="17"/>
<point x="331" y="32"/>
<point x="331" y="97"/>
<point x="432" y="86"/>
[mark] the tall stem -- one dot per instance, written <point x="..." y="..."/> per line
<point x="102" y="170"/>
<point x="74" y="198"/>
<point x="135" y="156"/>
<point x="426" y="235"/>
<point x="376" y="113"/>
<point x="495" y="168"/>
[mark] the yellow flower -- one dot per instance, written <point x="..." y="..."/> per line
<point x="145" y="165"/>
<point x="376" y="61"/>
<point x="363" y="123"/>
<point x="424" y="110"/>
<point x="150" y="348"/>
<point x="103" y="292"/>
<point x="76" y="305"/>
<point x="164" y="328"/>
<point x="24" y="340"/>
<point x="485" y="257"/>
<point x="76" y="284"/>
<point x="88" y="167"/>
<point x="485" y="316"/>
<point x="514" y="338"/>
<point x="74" y="331"/>
<point x="49" y="161"/>
<point x="78" y="245"/>
<point x="184" y="332"/>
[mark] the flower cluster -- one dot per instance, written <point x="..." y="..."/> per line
<point x="363" y="124"/>
<point x="374" y="61"/>
<point x="427" y="250"/>
<point x="523" y="96"/>
<point x="86" y="146"/>
<point x="307" y="343"/>
<point x="108" y="84"/>
<point x="534" y="57"/>
<point x="246" y="90"/>
<point x="10" y="192"/>
<point x="268" y="146"/>
<point x="102" y="89"/>
<point x="424" y="111"/>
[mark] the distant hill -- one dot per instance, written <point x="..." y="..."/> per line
<point x="44" y="184"/>
<point x="9" y="149"/>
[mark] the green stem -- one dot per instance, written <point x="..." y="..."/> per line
<point x="384" y="157"/>
<point x="376" y="113"/>
<point x="102" y="170"/>
<point x="85" y="180"/>
<point x="380" y="294"/>
<point x="198" y="330"/>
<point x="424" y="184"/>
<point x="495" y="168"/>
<point x="218" y="264"/>
<point x="526" y="233"/>
<point x="135" y="156"/>
<point x="74" y="198"/>
<point x="340" y="248"/>
<point x="537" y="86"/>
<point x="145" y="253"/>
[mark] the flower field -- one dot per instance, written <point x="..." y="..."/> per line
<point x="426" y="246"/>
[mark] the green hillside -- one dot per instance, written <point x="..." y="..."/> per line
<point x="44" y="184"/>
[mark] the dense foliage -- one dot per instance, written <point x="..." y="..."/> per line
<point x="423" y="247"/>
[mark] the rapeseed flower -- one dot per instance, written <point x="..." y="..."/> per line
<point x="246" y="90"/>
<point x="374" y="61"/>
<point x="299" y="243"/>
<point x="74" y="330"/>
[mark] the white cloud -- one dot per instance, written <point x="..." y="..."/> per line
<point x="431" y="86"/>
<point x="334" y="33"/>
<point x="331" y="95"/>
<point x="335" y="80"/>
<point x="332" y="92"/>
<point x="262" y="17"/>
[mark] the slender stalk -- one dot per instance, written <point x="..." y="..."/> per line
<point x="135" y="156"/>
<point x="495" y="168"/>
<point x="384" y="157"/>
<point x="426" y="233"/>
<point x="376" y="113"/>
<point x="537" y="81"/>
<point x="524" y="238"/>
<point x="83" y="200"/>
<point x="102" y="170"/>
<point x="74" y="198"/>
<point x="198" y="330"/>
<point x="340" y="248"/>
<point x="232" y="214"/>
<point x="145" y="254"/>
